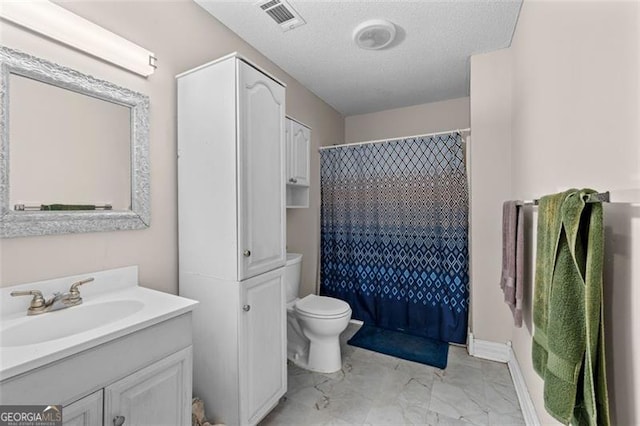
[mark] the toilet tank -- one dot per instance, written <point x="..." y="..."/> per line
<point x="292" y="271"/>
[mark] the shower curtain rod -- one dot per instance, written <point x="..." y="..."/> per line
<point x="467" y="130"/>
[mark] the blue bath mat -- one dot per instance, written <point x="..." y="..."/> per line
<point x="401" y="345"/>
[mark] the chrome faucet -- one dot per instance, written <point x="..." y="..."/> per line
<point x="58" y="301"/>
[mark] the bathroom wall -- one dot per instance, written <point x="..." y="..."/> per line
<point x="574" y="101"/>
<point x="408" y="121"/>
<point x="490" y="184"/>
<point x="182" y="35"/>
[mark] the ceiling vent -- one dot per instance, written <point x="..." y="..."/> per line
<point x="282" y="12"/>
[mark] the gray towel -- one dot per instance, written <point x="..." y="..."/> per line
<point x="513" y="258"/>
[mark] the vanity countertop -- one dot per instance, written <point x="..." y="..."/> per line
<point x="112" y="307"/>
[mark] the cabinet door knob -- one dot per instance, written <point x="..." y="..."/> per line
<point x="246" y="308"/>
<point x="118" y="420"/>
<point x="293" y="180"/>
<point x="246" y="253"/>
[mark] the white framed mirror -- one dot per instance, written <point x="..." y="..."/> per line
<point x="74" y="151"/>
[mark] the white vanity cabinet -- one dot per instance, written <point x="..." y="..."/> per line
<point x="298" y="142"/>
<point x="145" y="377"/>
<point x="231" y="216"/>
<point x="125" y="353"/>
<point x="155" y="395"/>
<point x="84" y="412"/>
<point x="158" y="394"/>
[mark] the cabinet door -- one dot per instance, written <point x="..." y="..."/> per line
<point x="84" y="412"/>
<point x="263" y="342"/>
<point x="289" y="154"/>
<point x="157" y="395"/>
<point x="300" y="141"/>
<point x="261" y="172"/>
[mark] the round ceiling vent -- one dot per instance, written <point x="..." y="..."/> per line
<point x="374" y="34"/>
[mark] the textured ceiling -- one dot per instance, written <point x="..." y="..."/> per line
<point x="428" y="62"/>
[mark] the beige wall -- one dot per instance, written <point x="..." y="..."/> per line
<point x="182" y="36"/>
<point x="490" y="185"/>
<point x="575" y="114"/>
<point x="408" y="121"/>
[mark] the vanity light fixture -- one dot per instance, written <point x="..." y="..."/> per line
<point x="57" y="23"/>
<point x="374" y="34"/>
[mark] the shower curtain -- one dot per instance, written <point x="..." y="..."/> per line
<point x="394" y="222"/>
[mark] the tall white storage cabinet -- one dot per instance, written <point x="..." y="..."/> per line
<point x="231" y="198"/>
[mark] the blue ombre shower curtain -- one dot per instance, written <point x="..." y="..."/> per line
<point x="394" y="240"/>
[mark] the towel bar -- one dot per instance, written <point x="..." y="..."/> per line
<point x="602" y="197"/>
<point x="22" y="207"/>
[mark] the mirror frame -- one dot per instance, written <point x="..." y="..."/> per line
<point x="32" y="223"/>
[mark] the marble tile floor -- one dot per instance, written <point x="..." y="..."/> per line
<point x="376" y="389"/>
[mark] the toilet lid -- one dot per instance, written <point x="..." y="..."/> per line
<point x="322" y="306"/>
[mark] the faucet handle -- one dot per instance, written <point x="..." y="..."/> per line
<point x="74" y="292"/>
<point x="37" y="302"/>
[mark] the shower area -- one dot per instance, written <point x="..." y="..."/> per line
<point x="394" y="233"/>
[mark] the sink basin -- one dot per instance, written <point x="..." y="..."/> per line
<point x="114" y="308"/>
<point x="67" y="322"/>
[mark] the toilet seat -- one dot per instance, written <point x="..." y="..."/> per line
<point x="322" y="307"/>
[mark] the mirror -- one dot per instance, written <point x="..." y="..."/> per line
<point x="73" y="144"/>
<point x="74" y="155"/>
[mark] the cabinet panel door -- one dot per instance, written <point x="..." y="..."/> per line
<point x="301" y="140"/>
<point x="84" y="412"/>
<point x="289" y="154"/>
<point x="263" y="343"/>
<point x="157" y="395"/>
<point x="261" y="172"/>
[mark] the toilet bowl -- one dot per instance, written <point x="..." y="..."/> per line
<point x="314" y="324"/>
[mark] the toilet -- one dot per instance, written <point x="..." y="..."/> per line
<point x="314" y="324"/>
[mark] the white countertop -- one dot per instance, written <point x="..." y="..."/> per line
<point x="156" y="307"/>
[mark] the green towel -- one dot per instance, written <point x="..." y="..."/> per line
<point x="67" y="207"/>
<point x="568" y="340"/>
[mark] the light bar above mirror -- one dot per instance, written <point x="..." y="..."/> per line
<point x="57" y="23"/>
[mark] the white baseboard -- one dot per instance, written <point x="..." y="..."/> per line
<point x="526" y="404"/>
<point x="501" y="352"/>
